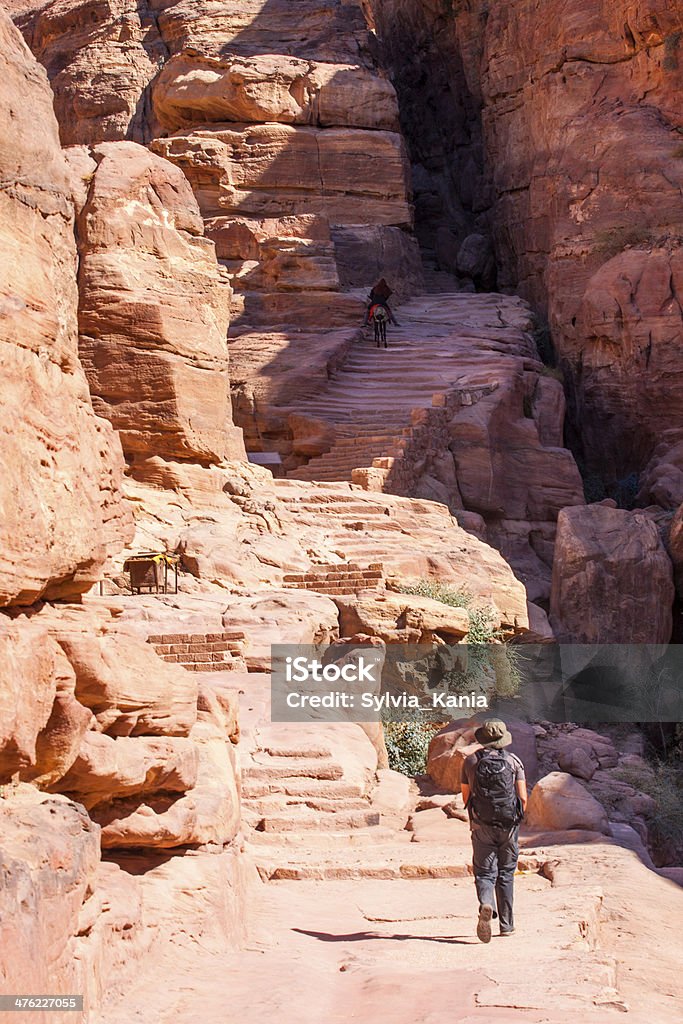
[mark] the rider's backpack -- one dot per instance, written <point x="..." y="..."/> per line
<point x="494" y="800"/>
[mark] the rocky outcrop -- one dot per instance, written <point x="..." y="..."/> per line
<point x="60" y="490"/>
<point x="100" y="59"/>
<point x="612" y="578"/>
<point x="50" y="852"/>
<point x="559" y="139"/>
<point x="269" y="126"/>
<point x="154" y="308"/>
<point x="402" y="618"/>
<point x="451" y="745"/>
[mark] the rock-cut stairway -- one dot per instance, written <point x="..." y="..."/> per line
<point x="445" y="341"/>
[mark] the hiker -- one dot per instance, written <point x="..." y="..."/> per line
<point x="379" y="296"/>
<point x="495" y="795"/>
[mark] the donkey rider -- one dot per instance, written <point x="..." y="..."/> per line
<point x="379" y="296"/>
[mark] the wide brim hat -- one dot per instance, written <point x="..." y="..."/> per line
<point x="493" y="733"/>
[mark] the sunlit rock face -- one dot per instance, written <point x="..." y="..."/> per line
<point x="62" y="513"/>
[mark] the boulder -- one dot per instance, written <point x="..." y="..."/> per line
<point x="49" y="849"/>
<point x="559" y="802"/>
<point x="208" y="812"/>
<point x="612" y="579"/>
<point x="107" y="769"/>
<point x="675" y="547"/>
<point x="475" y="259"/>
<point x="402" y="618"/>
<point x="577" y="762"/>
<point x="392" y="797"/>
<point x="129" y="689"/>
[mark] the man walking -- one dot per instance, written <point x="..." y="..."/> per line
<point x="495" y="795"/>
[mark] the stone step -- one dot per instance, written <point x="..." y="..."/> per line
<point x="302" y="786"/>
<point x="313" y="768"/>
<point x="328" y="843"/>
<point x="304" y="820"/>
<point x="275" y="804"/>
<point x="406" y="861"/>
<point x="287" y="749"/>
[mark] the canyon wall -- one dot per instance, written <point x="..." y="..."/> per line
<point x="558" y="138"/>
<point x="62" y="511"/>
<point x="90" y="716"/>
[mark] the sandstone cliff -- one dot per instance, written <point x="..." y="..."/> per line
<point x="224" y="166"/>
<point x="559" y="139"/>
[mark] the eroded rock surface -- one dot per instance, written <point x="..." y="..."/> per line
<point x="154" y="308"/>
<point x="560" y="143"/>
<point x="61" y="465"/>
<point x="612" y="578"/>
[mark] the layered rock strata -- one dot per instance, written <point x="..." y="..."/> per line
<point x="154" y="307"/>
<point x="61" y="465"/>
<point x="561" y="143"/>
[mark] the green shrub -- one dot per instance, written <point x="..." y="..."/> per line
<point x="664" y="783"/>
<point x="481" y="633"/>
<point x="456" y="597"/>
<point x="408" y="744"/>
<point x="614" y="240"/>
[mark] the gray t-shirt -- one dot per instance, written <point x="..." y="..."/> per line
<point x="470" y="766"/>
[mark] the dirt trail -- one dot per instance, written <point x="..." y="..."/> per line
<point x="405" y="951"/>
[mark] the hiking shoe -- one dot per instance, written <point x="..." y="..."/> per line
<point x="484" y="923"/>
<point x="510" y="931"/>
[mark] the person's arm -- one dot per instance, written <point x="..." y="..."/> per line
<point x="465" y="790"/>
<point x="521" y="792"/>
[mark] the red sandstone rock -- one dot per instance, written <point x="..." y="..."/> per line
<point x="675" y="546"/>
<point x="129" y="689"/>
<point x="154" y="308"/>
<point x="271" y="88"/>
<point x="612" y="579"/>
<point x="402" y="618"/>
<point x="450" y="747"/>
<point x="61" y="466"/>
<point x="267" y="169"/>
<point x="50" y="850"/>
<point x="27" y="690"/>
<point x="209" y="812"/>
<point x="100" y="59"/>
<point x="58" y="743"/>
<point x="560" y="802"/>
<point x="109" y="769"/>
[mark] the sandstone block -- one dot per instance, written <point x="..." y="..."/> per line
<point x="192" y="89"/>
<point x="560" y="802"/>
<point x="612" y="579"/>
<point x="129" y="689"/>
<point x="154" y="309"/>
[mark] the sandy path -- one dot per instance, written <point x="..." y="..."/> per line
<point x="395" y="951"/>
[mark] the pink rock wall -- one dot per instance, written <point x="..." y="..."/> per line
<point x="62" y="513"/>
<point x="561" y="140"/>
<point x="154" y="307"/>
